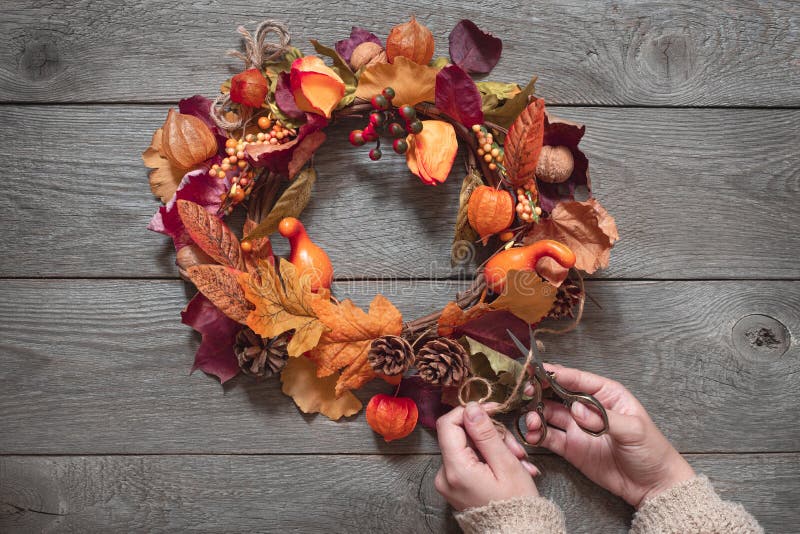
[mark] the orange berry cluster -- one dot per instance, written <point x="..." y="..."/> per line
<point x="527" y="210"/>
<point x="488" y="149"/>
<point x="235" y="164"/>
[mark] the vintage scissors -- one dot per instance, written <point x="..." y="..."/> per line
<point x="538" y="377"/>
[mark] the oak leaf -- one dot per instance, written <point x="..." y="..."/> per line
<point x="313" y="394"/>
<point x="585" y="227"/>
<point x="527" y="296"/>
<point x="290" y="204"/>
<point x="412" y="82"/>
<point x="523" y="143"/>
<point x="453" y="316"/>
<point x="211" y="234"/>
<point x="220" y="285"/>
<point x="351" y="331"/>
<point x="281" y="306"/>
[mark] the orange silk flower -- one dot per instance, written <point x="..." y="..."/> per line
<point x="431" y="152"/>
<point x="392" y="417"/>
<point x="315" y="86"/>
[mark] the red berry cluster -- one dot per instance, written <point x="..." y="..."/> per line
<point x="387" y="120"/>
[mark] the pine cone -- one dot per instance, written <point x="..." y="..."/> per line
<point x="567" y="296"/>
<point x="390" y="355"/>
<point x="443" y="361"/>
<point x="258" y="356"/>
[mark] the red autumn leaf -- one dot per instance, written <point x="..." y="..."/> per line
<point x="523" y="143"/>
<point x="211" y="234"/>
<point x="284" y="97"/>
<point x="453" y="316"/>
<point x="427" y="397"/>
<point x="281" y="158"/>
<point x="215" y="355"/>
<point x="249" y="88"/>
<point x="458" y="96"/>
<point x="490" y="329"/>
<point x="392" y="417"/>
<point x="473" y="49"/>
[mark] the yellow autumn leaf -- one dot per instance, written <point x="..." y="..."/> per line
<point x="412" y="83"/>
<point x="283" y="306"/>
<point x="527" y="296"/>
<point x="313" y="394"/>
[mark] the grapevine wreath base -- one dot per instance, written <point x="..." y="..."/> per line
<point x="250" y="151"/>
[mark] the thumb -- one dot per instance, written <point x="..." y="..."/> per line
<point x="480" y="428"/>
<point x="627" y="429"/>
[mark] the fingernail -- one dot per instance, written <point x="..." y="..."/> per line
<point x="474" y="412"/>
<point x="579" y="410"/>
<point x="532" y="421"/>
<point x="529" y="467"/>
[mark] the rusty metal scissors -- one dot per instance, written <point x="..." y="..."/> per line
<point x="539" y="376"/>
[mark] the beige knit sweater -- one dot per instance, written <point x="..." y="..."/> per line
<point x="690" y="507"/>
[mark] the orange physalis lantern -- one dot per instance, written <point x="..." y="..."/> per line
<point x="392" y="417"/>
<point x="490" y="211"/>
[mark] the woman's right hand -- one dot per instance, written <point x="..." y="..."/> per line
<point x="633" y="460"/>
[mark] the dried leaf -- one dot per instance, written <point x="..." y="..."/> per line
<point x="286" y="159"/>
<point x="412" y="83"/>
<point x="261" y="248"/>
<point x="464" y="234"/>
<point x="313" y="394"/>
<point x="284" y="306"/>
<point x="500" y="90"/>
<point x="453" y="316"/>
<point x="526" y="295"/>
<point x="220" y="285"/>
<point x="284" y="99"/>
<point x="559" y="132"/>
<point x="473" y="49"/>
<point x="491" y="330"/>
<point x="211" y="234"/>
<point x="524" y="143"/>
<point x="164" y="176"/>
<point x="215" y="355"/>
<point x="351" y="331"/>
<point x="499" y="362"/>
<point x="585" y="227"/>
<point x="457" y="96"/>
<point x="290" y="204"/>
<point x="427" y="397"/>
<point x="508" y="112"/>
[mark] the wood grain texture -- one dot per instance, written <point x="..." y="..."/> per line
<point x="719" y="52"/>
<point x="101" y="367"/>
<point x="326" y="493"/>
<point x="696" y="194"/>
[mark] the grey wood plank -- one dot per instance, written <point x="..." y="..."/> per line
<point x="696" y="194"/>
<point x="680" y="52"/>
<point x="326" y="493"/>
<point x="101" y="367"/>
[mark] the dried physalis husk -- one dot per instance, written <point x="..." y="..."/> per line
<point x="186" y="140"/>
<point x="411" y="40"/>
<point x="367" y="54"/>
<point x="490" y="211"/>
<point x="555" y="164"/>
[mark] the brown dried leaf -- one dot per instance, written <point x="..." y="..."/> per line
<point x="220" y="285"/>
<point x="524" y="143"/>
<point x="261" y="251"/>
<point x="585" y="227"/>
<point x="211" y="234"/>
<point x="313" y="394"/>
<point x="290" y="204"/>
<point x="412" y="83"/>
<point x="464" y="232"/>
<point x="527" y="296"/>
<point x="453" y="316"/>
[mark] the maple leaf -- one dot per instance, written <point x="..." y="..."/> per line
<point x="345" y="346"/>
<point x="453" y="316"/>
<point x="527" y="296"/>
<point x="313" y="394"/>
<point x="219" y="284"/>
<point x="284" y="306"/>
<point x="523" y="143"/>
<point x="585" y="227"/>
<point x="211" y="234"/>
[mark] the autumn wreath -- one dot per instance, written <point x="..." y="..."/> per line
<point x="250" y="151"/>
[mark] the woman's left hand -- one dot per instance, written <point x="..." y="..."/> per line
<point x="467" y="480"/>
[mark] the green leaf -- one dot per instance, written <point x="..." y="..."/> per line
<point x="499" y="363"/>
<point x="464" y="232"/>
<point x="502" y="90"/>
<point x="508" y="112"/>
<point x="440" y="62"/>
<point x="284" y="64"/>
<point x="342" y="69"/>
<point x="290" y="204"/>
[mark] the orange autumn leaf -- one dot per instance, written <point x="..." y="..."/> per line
<point x="211" y="234"/>
<point x="453" y="316"/>
<point x="351" y="331"/>
<point x="527" y="296"/>
<point x="523" y="143"/>
<point x="431" y="152"/>
<point x="412" y="83"/>
<point x="284" y="305"/>
<point x="220" y="285"/>
<point x="585" y="227"/>
<point x="313" y="394"/>
<point x="164" y="176"/>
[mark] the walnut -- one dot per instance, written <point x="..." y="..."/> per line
<point x="555" y="164"/>
<point x="367" y="54"/>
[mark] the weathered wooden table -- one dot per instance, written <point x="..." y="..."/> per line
<point x="693" y="114"/>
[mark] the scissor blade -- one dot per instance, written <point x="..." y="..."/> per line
<point x="522" y="348"/>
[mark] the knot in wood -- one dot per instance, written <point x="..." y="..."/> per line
<point x="761" y="337"/>
<point x="39" y="57"/>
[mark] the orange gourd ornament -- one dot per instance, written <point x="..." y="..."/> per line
<point x="306" y="256"/>
<point x="524" y="259"/>
<point x="490" y="211"/>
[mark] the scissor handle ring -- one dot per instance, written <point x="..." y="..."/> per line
<point x="521" y="418"/>
<point x="589" y="400"/>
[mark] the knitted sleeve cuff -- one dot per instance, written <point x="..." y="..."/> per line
<point x="692" y="506"/>
<point x="513" y="516"/>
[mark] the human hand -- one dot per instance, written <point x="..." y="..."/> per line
<point x="633" y="460"/>
<point x="467" y="480"/>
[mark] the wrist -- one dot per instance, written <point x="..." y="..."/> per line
<point x="677" y="472"/>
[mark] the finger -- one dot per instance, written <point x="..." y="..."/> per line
<point x="440" y="482"/>
<point x="587" y="417"/>
<point x="490" y="444"/>
<point x="530" y="468"/>
<point x="514" y="446"/>
<point x="578" y="380"/>
<point x="556" y="439"/>
<point x="452" y="439"/>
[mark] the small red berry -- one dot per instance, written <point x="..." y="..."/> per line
<point x="357" y="138"/>
<point x="408" y="113"/>
<point x="388" y="93"/>
<point x="379" y="102"/>
<point x="370" y="134"/>
<point x="396" y="130"/>
<point x="377" y="119"/>
<point x="375" y="154"/>
<point x="400" y="146"/>
<point x="415" y="127"/>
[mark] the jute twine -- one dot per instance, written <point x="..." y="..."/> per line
<point x="515" y="397"/>
<point x="257" y="51"/>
